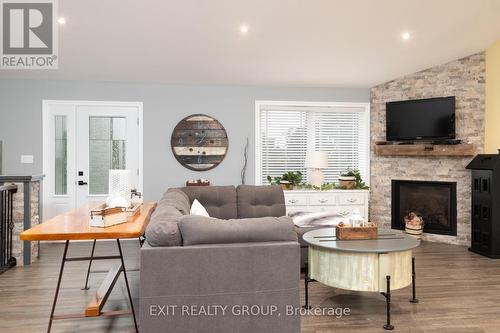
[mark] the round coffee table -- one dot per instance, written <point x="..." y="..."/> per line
<point x="377" y="265"/>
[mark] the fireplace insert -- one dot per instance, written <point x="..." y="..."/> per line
<point x="435" y="202"/>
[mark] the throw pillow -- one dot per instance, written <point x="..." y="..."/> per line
<point x="198" y="209"/>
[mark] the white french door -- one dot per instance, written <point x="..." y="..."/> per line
<point x="106" y="139"/>
<point x="82" y="142"/>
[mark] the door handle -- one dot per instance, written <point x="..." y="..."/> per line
<point x="82" y="183"/>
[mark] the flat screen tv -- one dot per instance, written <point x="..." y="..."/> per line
<point x="422" y="119"/>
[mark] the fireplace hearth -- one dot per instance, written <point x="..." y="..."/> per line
<point x="435" y="202"/>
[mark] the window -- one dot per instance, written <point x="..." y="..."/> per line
<point x="60" y="155"/>
<point x="285" y="131"/>
<point x="107" y="142"/>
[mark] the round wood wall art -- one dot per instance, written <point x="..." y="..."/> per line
<point x="199" y="142"/>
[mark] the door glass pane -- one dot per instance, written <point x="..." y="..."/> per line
<point x="107" y="138"/>
<point x="61" y="160"/>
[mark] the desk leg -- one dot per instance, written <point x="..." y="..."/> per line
<point x="58" y="286"/>
<point x="88" y="270"/>
<point x="387" y="295"/>
<point x="126" y="283"/>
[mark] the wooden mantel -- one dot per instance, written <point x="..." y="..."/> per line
<point x="421" y="149"/>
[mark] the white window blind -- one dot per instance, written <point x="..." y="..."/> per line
<point x="286" y="133"/>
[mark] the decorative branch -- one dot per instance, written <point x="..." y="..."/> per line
<point x="245" y="157"/>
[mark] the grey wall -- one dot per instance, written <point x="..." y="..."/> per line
<point x="164" y="106"/>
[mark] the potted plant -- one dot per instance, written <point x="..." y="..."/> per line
<point x="288" y="180"/>
<point x="347" y="181"/>
<point x="351" y="179"/>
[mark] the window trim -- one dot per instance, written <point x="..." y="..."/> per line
<point x="258" y="150"/>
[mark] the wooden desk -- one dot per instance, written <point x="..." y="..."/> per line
<point x="75" y="225"/>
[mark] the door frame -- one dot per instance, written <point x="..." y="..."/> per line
<point x="47" y="137"/>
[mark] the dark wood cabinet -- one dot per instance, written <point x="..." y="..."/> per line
<point x="485" y="209"/>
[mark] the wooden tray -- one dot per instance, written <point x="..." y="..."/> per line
<point x="197" y="183"/>
<point x="101" y="216"/>
<point x="368" y="232"/>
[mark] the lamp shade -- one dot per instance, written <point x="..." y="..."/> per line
<point x="316" y="160"/>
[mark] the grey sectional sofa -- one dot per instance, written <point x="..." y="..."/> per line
<point x="236" y="271"/>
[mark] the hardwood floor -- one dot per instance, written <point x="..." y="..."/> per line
<point x="459" y="292"/>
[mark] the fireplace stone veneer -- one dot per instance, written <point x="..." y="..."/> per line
<point x="464" y="79"/>
<point x="435" y="202"/>
<point x="26" y="212"/>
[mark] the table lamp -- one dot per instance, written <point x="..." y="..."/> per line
<point x="316" y="161"/>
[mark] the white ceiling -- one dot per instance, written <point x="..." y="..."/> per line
<point x="351" y="43"/>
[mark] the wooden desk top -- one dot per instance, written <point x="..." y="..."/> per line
<point x="76" y="225"/>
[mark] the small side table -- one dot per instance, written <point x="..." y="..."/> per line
<point x="75" y="226"/>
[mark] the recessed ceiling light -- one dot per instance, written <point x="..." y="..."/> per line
<point x="405" y="35"/>
<point x="244" y="29"/>
<point x="61" y="20"/>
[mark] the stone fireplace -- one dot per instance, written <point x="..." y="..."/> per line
<point x="435" y="202"/>
<point x="464" y="79"/>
